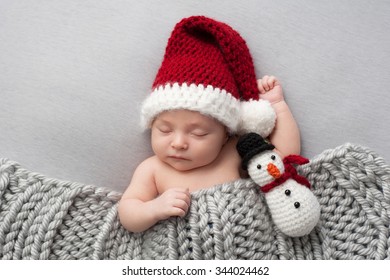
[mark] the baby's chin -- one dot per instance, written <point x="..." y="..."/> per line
<point x="183" y="165"/>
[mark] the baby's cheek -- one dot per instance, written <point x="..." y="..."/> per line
<point x="160" y="147"/>
<point x="208" y="152"/>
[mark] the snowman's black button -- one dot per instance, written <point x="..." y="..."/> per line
<point x="287" y="192"/>
<point x="297" y="204"/>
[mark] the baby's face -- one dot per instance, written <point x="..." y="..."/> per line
<point x="186" y="139"/>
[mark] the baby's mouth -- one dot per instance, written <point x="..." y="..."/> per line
<point x="176" y="157"/>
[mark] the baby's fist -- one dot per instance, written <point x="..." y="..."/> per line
<point x="270" y="89"/>
<point x="173" y="202"/>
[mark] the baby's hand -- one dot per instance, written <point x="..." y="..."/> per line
<point x="270" y="89"/>
<point x="173" y="202"/>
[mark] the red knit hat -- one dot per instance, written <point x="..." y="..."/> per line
<point x="207" y="68"/>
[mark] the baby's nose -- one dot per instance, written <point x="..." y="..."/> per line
<point x="179" y="142"/>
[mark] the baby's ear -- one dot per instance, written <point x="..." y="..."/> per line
<point x="227" y="136"/>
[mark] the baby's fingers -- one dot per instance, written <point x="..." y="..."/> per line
<point x="264" y="84"/>
<point x="176" y="212"/>
<point x="267" y="83"/>
<point x="187" y="196"/>
<point x="184" y="195"/>
<point x="260" y="85"/>
<point x="180" y="208"/>
<point x="271" y="82"/>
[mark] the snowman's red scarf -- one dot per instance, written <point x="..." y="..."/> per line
<point x="289" y="173"/>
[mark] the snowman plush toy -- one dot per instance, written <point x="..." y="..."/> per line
<point x="294" y="208"/>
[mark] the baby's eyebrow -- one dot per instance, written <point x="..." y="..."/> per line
<point x="197" y="125"/>
<point x="162" y="121"/>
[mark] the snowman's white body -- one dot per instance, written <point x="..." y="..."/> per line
<point x="294" y="208"/>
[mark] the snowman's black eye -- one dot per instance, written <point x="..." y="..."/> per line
<point x="297" y="204"/>
<point x="259" y="166"/>
<point x="273" y="157"/>
<point x="287" y="192"/>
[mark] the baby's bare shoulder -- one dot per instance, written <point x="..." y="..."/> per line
<point x="149" y="163"/>
<point x="152" y="167"/>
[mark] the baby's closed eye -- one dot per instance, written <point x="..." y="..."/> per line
<point x="199" y="132"/>
<point x="164" y="129"/>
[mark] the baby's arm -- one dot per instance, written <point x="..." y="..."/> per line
<point x="285" y="136"/>
<point x="141" y="206"/>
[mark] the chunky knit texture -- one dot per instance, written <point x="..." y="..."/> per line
<point x="207" y="67"/>
<point x="204" y="51"/>
<point x="43" y="218"/>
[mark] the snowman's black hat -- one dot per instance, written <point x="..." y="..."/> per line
<point x="249" y="145"/>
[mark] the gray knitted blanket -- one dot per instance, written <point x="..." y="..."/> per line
<point x="43" y="218"/>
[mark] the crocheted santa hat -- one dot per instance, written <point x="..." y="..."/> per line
<point x="207" y="67"/>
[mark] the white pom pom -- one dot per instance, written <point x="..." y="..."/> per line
<point x="257" y="116"/>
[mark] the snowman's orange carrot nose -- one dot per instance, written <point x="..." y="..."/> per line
<point x="273" y="170"/>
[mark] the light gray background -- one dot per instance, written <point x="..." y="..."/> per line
<point x="72" y="75"/>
